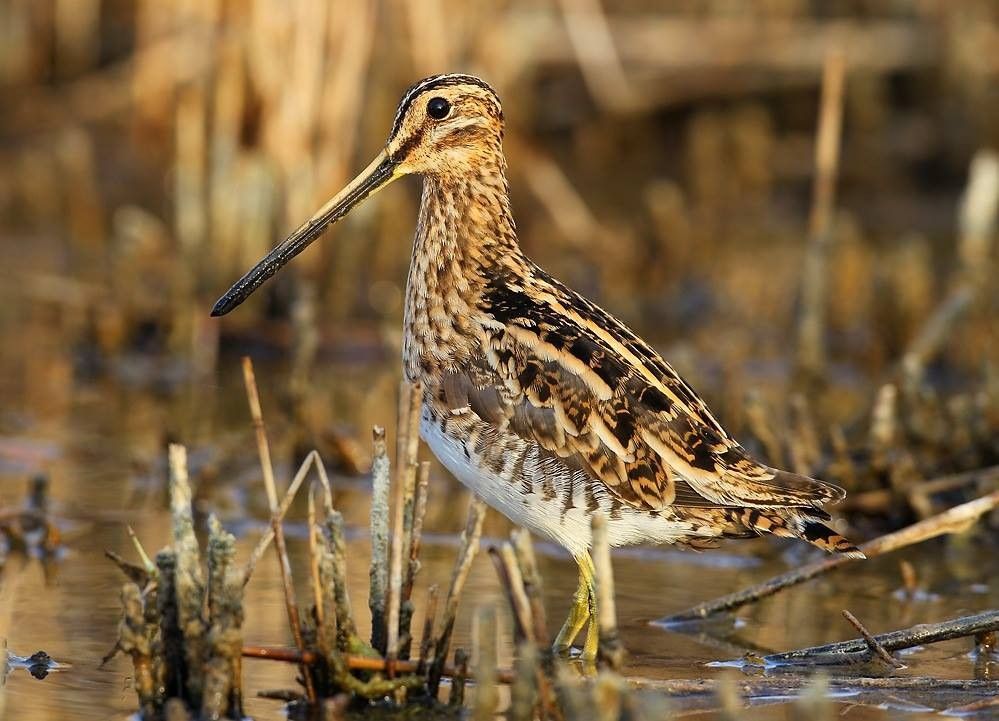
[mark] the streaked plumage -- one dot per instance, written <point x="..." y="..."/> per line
<point x="541" y="402"/>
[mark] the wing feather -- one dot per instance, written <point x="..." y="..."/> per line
<point x="564" y="373"/>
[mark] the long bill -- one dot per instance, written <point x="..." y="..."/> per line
<point x="381" y="172"/>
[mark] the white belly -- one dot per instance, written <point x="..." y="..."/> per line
<point x="559" y="515"/>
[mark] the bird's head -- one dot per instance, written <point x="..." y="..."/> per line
<point x="446" y="126"/>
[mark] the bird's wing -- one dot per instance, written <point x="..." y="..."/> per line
<point x="560" y="371"/>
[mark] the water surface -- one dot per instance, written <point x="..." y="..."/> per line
<point x="100" y="437"/>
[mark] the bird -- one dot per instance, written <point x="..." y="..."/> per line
<point x="543" y="404"/>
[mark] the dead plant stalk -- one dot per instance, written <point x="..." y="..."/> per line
<point x="263" y="449"/>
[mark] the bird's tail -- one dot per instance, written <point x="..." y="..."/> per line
<point x="805" y="523"/>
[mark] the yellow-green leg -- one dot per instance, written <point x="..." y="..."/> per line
<point x="583" y="612"/>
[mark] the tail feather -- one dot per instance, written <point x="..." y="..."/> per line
<point x="803" y="523"/>
<point x="739" y="479"/>
<point x="819" y="534"/>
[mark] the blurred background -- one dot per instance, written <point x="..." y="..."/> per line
<point x="794" y="201"/>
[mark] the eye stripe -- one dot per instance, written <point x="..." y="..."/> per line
<point x="433" y="82"/>
<point x="407" y="98"/>
<point x="408" y="145"/>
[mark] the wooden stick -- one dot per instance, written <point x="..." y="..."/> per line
<point x="463" y="564"/>
<point x="169" y="663"/>
<point x="312" y="460"/>
<point x="430" y="615"/>
<point x="413" y="564"/>
<point x="410" y="397"/>
<point x="950" y="521"/>
<point x="133" y="639"/>
<point x="524" y="690"/>
<point x="532" y="580"/>
<point x="398" y="519"/>
<point x="525" y="592"/>
<point x="873" y="646"/>
<point x="263" y="448"/>
<point x="456" y="699"/>
<point x="327" y="632"/>
<point x="380" y="490"/>
<point x="752" y="687"/>
<point x="188" y="577"/>
<point x="519" y="601"/>
<point x="313" y="530"/>
<point x="222" y="695"/>
<point x="416" y="535"/>
<point x="485" y="655"/>
<point x="610" y="648"/>
<point x="147" y="562"/>
<point x="919" y="635"/>
<point x="979" y="207"/>
<point x="814" y="281"/>
<point x="134" y="573"/>
<point x="883" y="434"/>
<point x="346" y="626"/>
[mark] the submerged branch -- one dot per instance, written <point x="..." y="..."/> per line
<point x="757" y="687"/>
<point x="918" y="635"/>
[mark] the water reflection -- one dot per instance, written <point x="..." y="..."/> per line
<point x="39" y="665"/>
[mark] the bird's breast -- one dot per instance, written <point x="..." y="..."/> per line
<point x="441" y="331"/>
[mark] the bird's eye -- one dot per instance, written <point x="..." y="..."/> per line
<point x="438" y="108"/>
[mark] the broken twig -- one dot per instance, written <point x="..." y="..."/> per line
<point x="873" y="646"/>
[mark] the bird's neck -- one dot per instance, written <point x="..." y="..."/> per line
<point x="465" y="222"/>
<point x="465" y="236"/>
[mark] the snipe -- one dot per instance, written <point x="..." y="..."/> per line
<point x="542" y="403"/>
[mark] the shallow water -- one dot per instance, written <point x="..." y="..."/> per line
<point x="101" y="440"/>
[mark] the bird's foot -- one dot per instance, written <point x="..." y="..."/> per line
<point x="579" y="614"/>
<point x="592" y="644"/>
<point x="582" y="613"/>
